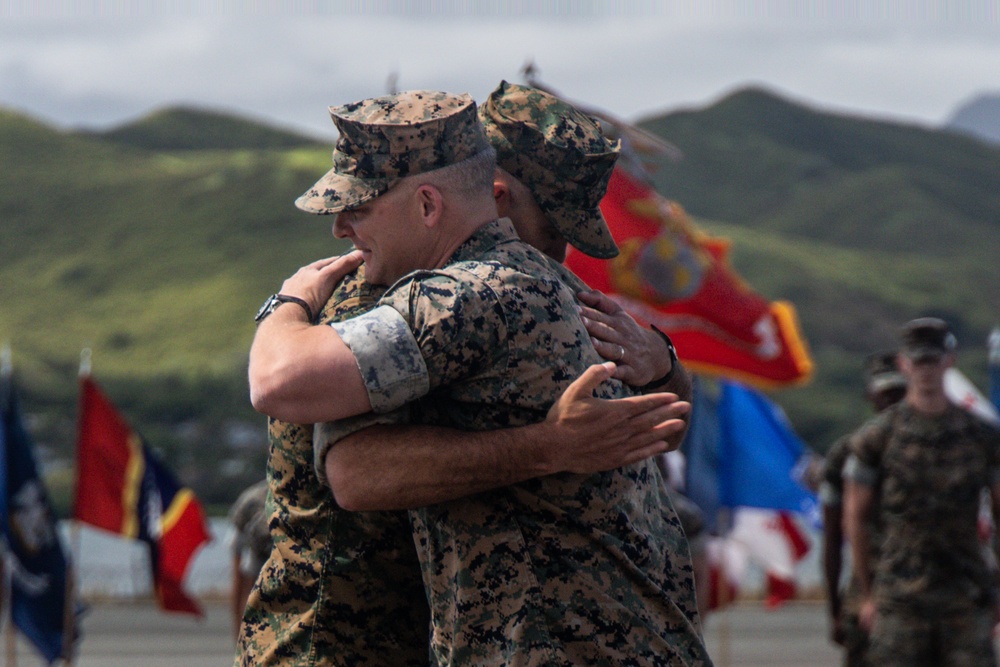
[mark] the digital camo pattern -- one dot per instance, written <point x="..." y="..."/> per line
<point x="386" y="138"/>
<point x="930" y="471"/>
<point x="832" y="493"/>
<point x="560" y="154"/>
<point x="340" y="588"/>
<point x="906" y="637"/>
<point x="561" y="570"/>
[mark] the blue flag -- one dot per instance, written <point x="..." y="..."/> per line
<point x="742" y="452"/>
<point x="35" y="554"/>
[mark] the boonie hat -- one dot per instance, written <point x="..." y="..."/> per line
<point x="386" y="138"/>
<point x="882" y="373"/>
<point x="560" y="154"/>
<point x="927" y="338"/>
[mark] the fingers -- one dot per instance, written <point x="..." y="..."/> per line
<point x="589" y="380"/>
<point x="599" y="301"/>
<point x="345" y="263"/>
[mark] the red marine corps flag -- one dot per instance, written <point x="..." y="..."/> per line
<point x="122" y="488"/>
<point x="673" y="275"/>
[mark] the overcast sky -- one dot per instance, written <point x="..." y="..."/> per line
<point x="99" y="63"/>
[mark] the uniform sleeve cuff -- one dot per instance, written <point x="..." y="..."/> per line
<point x="388" y="356"/>
<point x="857" y="471"/>
<point x="327" y="435"/>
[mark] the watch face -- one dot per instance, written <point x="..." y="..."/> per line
<point x="266" y="309"/>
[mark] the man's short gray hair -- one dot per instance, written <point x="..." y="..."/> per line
<point x="467" y="177"/>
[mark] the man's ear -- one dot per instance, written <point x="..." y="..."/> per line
<point x="431" y="204"/>
<point x="501" y="195"/>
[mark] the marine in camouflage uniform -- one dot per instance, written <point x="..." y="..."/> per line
<point x="932" y="588"/>
<point x="560" y="570"/>
<point x="340" y="588"/>
<point x="884" y="386"/>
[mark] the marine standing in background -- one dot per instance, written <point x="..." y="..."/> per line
<point x="884" y="386"/>
<point x="930" y="597"/>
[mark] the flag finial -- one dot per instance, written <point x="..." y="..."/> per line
<point x="85" y="355"/>
<point x="6" y="366"/>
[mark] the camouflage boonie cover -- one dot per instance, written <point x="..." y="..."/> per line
<point x="561" y="570"/>
<point x="340" y="588"/>
<point x="387" y="138"/>
<point x="930" y="471"/>
<point x="561" y="155"/>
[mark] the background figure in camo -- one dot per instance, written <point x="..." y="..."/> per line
<point x="930" y="597"/>
<point x="884" y="386"/>
<point x="353" y="600"/>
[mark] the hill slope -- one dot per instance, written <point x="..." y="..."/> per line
<point x="185" y="128"/>
<point x="157" y="258"/>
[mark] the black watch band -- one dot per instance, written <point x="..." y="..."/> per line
<point x="276" y="300"/>
<point x="673" y="363"/>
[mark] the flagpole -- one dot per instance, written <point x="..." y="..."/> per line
<point x="69" y="618"/>
<point x="10" y="659"/>
<point x="69" y="611"/>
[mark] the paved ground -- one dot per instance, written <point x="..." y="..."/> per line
<point x="138" y="635"/>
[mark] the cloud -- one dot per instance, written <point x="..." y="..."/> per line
<point x="629" y="58"/>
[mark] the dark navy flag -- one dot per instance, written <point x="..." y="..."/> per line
<point x="35" y="554"/>
<point x="701" y="452"/>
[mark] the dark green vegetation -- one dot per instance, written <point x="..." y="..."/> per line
<point x="154" y="244"/>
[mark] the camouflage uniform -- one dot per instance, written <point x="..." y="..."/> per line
<point x="832" y="493"/>
<point x="932" y="586"/>
<point x="343" y="588"/>
<point x="340" y="588"/>
<point x="561" y="570"/>
<point x="613" y="581"/>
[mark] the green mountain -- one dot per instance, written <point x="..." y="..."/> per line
<point x="153" y="244"/>
<point x="862" y="224"/>
<point x="185" y="128"/>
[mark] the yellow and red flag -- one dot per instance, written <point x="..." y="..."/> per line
<point x="123" y="488"/>
<point x="673" y="275"/>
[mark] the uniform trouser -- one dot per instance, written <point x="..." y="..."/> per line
<point x="910" y="636"/>
<point x="855" y="641"/>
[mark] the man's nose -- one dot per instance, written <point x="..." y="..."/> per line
<point x="340" y="227"/>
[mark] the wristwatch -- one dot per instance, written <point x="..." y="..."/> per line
<point x="673" y="363"/>
<point x="276" y="300"/>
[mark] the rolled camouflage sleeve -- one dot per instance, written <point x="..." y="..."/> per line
<point x="388" y="356"/>
<point x="327" y="435"/>
<point x="865" y="448"/>
<point x="831" y="489"/>
<point x="457" y="323"/>
<point x="857" y="471"/>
